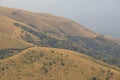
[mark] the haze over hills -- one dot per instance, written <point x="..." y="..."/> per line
<point x="47" y="22"/>
<point x="101" y="16"/>
<point x="40" y="63"/>
<point x="23" y="31"/>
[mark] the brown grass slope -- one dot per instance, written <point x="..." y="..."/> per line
<point x="7" y="26"/>
<point x="12" y="36"/>
<point x="56" y="26"/>
<point x="40" y="63"/>
<point x="48" y="23"/>
<point x="8" y="42"/>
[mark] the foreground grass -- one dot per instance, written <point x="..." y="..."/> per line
<point x="40" y="63"/>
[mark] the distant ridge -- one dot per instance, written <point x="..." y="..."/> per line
<point x="47" y="22"/>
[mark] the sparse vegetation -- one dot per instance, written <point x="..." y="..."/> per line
<point x="95" y="47"/>
<point x="40" y="63"/>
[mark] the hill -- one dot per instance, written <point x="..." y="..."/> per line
<point x="47" y="23"/>
<point x="10" y="42"/>
<point x="10" y="38"/>
<point x="40" y="63"/>
<point x="10" y="46"/>
<point x="58" y="32"/>
<point x="7" y="27"/>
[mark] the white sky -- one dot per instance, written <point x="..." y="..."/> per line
<point x="27" y="4"/>
<point x="99" y="15"/>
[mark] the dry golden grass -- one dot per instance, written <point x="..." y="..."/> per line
<point x="7" y="34"/>
<point x="40" y="63"/>
<point x="53" y="25"/>
<point x="11" y="36"/>
<point x="7" y="41"/>
<point x="6" y="25"/>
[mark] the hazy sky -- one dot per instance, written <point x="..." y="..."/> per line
<point x="102" y="16"/>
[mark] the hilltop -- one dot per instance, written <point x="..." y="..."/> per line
<point x="40" y="63"/>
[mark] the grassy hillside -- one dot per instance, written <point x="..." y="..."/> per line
<point x="40" y="63"/>
<point x="48" y="23"/>
<point x="7" y="26"/>
<point x="10" y="45"/>
<point x="11" y="41"/>
<point x="10" y="34"/>
<point x="58" y="32"/>
<point x="7" y="41"/>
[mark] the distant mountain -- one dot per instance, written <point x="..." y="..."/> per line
<point x="48" y="23"/>
<point x="40" y="63"/>
<point x="58" y="32"/>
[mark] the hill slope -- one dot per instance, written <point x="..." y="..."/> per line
<point x="40" y="63"/>
<point x="10" y="45"/>
<point x="53" y="31"/>
<point x="7" y="41"/>
<point x="7" y="27"/>
<point x="48" y="23"/>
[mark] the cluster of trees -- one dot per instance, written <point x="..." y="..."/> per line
<point x="4" y="53"/>
<point x="101" y="48"/>
<point x="7" y="52"/>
